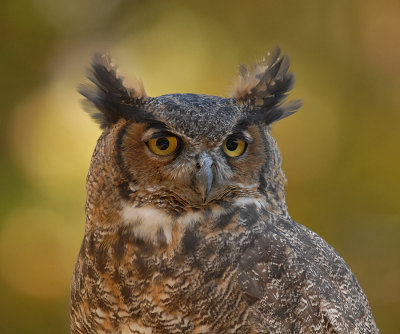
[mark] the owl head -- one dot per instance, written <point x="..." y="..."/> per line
<point x="181" y="152"/>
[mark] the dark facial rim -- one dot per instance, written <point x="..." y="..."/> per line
<point x="164" y="133"/>
<point x="240" y="135"/>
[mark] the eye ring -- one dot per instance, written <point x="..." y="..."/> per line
<point x="163" y="145"/>
<point x="234" y="147"/>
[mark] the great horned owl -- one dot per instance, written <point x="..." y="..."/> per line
<point x="187" y="228"/>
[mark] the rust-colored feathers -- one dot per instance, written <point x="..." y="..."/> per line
<point x="195" y="236"/>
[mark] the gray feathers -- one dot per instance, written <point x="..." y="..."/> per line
<point x="292" y="273"/>
<point x="197" y="116"/>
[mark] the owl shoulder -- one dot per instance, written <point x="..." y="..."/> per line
<point x="288" y="269"/>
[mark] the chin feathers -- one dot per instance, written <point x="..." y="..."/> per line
<point x="263" y="88"/>
<point x="111" y="99"/>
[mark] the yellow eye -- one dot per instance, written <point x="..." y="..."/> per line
<point x="163" y="145"/>
<point x="234" y="147"/>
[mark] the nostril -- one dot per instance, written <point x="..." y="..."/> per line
<point x="204" y="161"/>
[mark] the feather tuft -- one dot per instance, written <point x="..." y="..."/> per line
<point x="265" y="86"/>
<point x="110" y="97"/>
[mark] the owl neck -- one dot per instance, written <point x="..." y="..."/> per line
<point x="102" y="186"/>
<point x="272" y="179"/>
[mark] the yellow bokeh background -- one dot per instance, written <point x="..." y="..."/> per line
<point x="340" y="152"/>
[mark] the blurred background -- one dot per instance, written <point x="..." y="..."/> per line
<point x="340" y="152"/>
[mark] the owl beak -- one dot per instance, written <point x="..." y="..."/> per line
<point x="204" y="174"/>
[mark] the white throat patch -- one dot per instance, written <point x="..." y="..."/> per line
<point x="154" y="225"/>
<point x="149" y="223"/>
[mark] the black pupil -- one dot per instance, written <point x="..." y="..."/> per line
<point x="231" y="144"/>
<point x="162" y="143"/>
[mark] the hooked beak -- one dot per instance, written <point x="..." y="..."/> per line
<point x="204" y="174"/>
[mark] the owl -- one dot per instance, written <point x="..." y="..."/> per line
<point x="187" y="228"/>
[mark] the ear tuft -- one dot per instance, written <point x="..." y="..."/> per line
<point x="108" y="95"/>
<point x="263" y="88"/>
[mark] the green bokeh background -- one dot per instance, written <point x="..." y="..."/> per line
<point x="340" y="152"/>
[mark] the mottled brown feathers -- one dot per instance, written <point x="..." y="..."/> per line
<point x="162" y="255"/>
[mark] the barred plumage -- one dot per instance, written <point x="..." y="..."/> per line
<point x="187" y="226"/>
